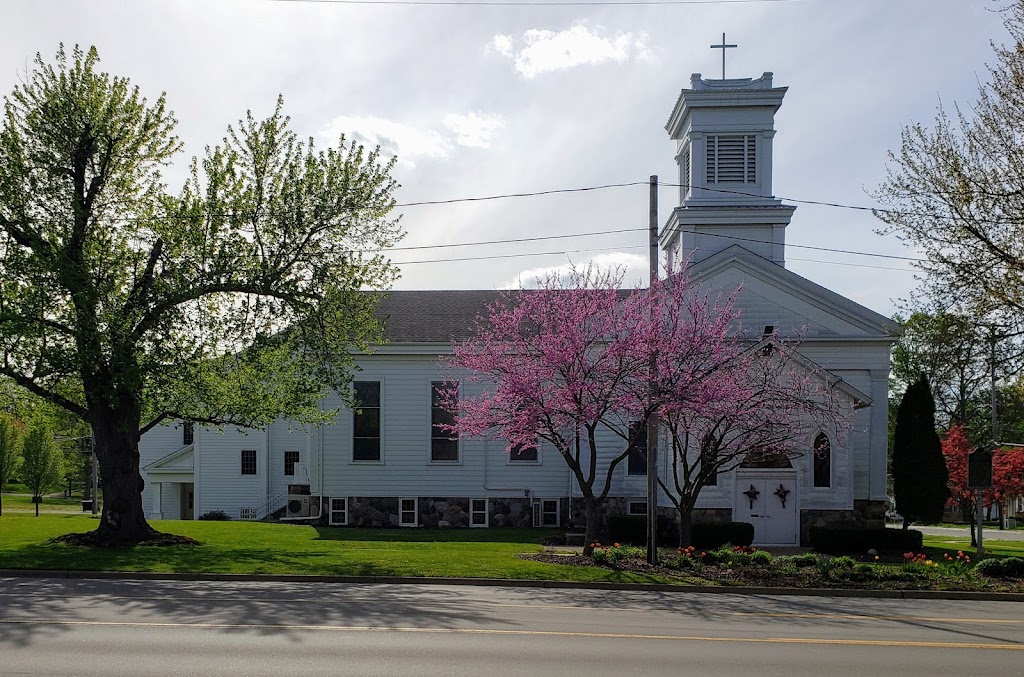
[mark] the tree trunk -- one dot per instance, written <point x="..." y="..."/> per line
<point x="1" y="502"/>
<point x="36" y="501"/>
<point x="685" y="526"/>
<point x="906" y="523"/>
<point x="590" y="510"/>
<point x="123" y="520"/>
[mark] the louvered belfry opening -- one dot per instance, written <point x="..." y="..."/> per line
<point x="687" y="180"/>
<point x="731" y="158"/>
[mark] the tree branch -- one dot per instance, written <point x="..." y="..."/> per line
<point x="36" y="389"/>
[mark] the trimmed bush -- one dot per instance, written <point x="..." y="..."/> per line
<point x="627" y="529"/>
<point x="855" y="539"/>
<point x="215" y="516"/>
<point x="633" y="529"/>
<point x="796" y="561"/>
<point x="1011" y="567"/>
<point x="706" y="535"/>
<point x="710" y="535"/>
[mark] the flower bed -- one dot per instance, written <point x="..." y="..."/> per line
<point x="743" y="565"/>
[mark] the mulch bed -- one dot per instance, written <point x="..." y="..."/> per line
<point x="156" y="539"/>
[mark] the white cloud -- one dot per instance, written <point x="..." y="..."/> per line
<point x="473" y="130"/>
<point x="410" y="142"/>
<point x="544" y="51"/>
<point x="502" y="44"/>
<point x="633" y="269"/>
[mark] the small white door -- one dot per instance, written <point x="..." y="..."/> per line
<point x="768" y="501"/>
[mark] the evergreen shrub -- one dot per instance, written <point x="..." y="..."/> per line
<point x="856" y="539"/>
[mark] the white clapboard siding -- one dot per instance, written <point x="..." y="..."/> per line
<point x="405" y="468"/>
<point x="220" y="484"/>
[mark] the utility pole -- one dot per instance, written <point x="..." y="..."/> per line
<point x="652" y="421"/>
<point x="95" y="481"/>
<point x="994" y="402"/>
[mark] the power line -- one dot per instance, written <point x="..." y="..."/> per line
<point x="820" y="249"/>
<point x="503" y="196"/>
<point x="854" y="265"/>
<point x="509" y="241"/>
<point x="536" y="3"/>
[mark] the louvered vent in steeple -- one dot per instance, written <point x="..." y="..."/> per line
<point x="732" y="158"/>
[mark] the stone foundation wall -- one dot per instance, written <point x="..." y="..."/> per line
<point x="373" y="511"/>
<point x="510" y="512"/>
<point x="443" y="513"/>
<point x="619" y="505"/>
<point x="702" y="515"/>
<point x="865" y="513"/>
<point x="871" y="513"/>
<point x="820" y="518"/>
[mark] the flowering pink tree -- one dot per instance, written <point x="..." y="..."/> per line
<point x="763" y="404"/>
<point x="571" y="360"/>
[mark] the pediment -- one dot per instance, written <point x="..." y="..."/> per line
<point x="771" y="295"/>
<point x="182" y="460"/>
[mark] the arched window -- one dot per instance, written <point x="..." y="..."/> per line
<point x="708" y="456"/>
<point x="822" y="461"/>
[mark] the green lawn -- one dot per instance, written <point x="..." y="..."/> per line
<point x="952" y="544"/>
<point x="21" y="502"/>
<point x="263" y="548"/>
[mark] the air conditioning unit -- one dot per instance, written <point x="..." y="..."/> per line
<point x="298" y="505"/>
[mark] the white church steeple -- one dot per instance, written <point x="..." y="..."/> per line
<point x="724" y="131"/>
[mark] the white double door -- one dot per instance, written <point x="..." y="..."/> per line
<point x="767" y="499"/>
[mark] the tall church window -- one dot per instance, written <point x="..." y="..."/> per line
<point x="732" y="158"/>
<point x="708" y="456"/>
<point x="444" y="445"/>
<point x="636" y="463"/>
<point x="366" y="421"/>
<point x="822" y="461"/>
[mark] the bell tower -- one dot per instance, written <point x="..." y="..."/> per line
<point x="723" y="131"/>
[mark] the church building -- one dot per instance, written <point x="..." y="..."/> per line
<point x="386" y="465"/>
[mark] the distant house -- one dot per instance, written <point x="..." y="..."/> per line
<point x="387" y="465"/>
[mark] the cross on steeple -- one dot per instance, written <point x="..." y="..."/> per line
<point x="723" y="47"/>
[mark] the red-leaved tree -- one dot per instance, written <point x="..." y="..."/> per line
<point x="1007" y="474"/>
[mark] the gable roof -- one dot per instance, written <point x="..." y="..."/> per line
<point x="437" y="316"/>
<point x="859" y="398"/>
<point x="178" y="461"/>
<point x="866" y="322"/>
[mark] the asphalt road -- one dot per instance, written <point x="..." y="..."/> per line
<point x="112" y="628"/>
<point x="987" y="534"/>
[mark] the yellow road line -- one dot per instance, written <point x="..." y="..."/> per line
<point x="535" y="633"/>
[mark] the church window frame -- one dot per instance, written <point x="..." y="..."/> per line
<point x="821" y="462"/>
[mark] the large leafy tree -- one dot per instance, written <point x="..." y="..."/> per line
<point x="956" y="352"/>
<point x="42" y="468"/>
<point x="231" y="302"/>
<point x="918" y="470"/>
<point x="955" y="191"/>
<point x="10" y="451"/>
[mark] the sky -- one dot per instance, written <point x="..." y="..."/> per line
<point x="479" y="100"/>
